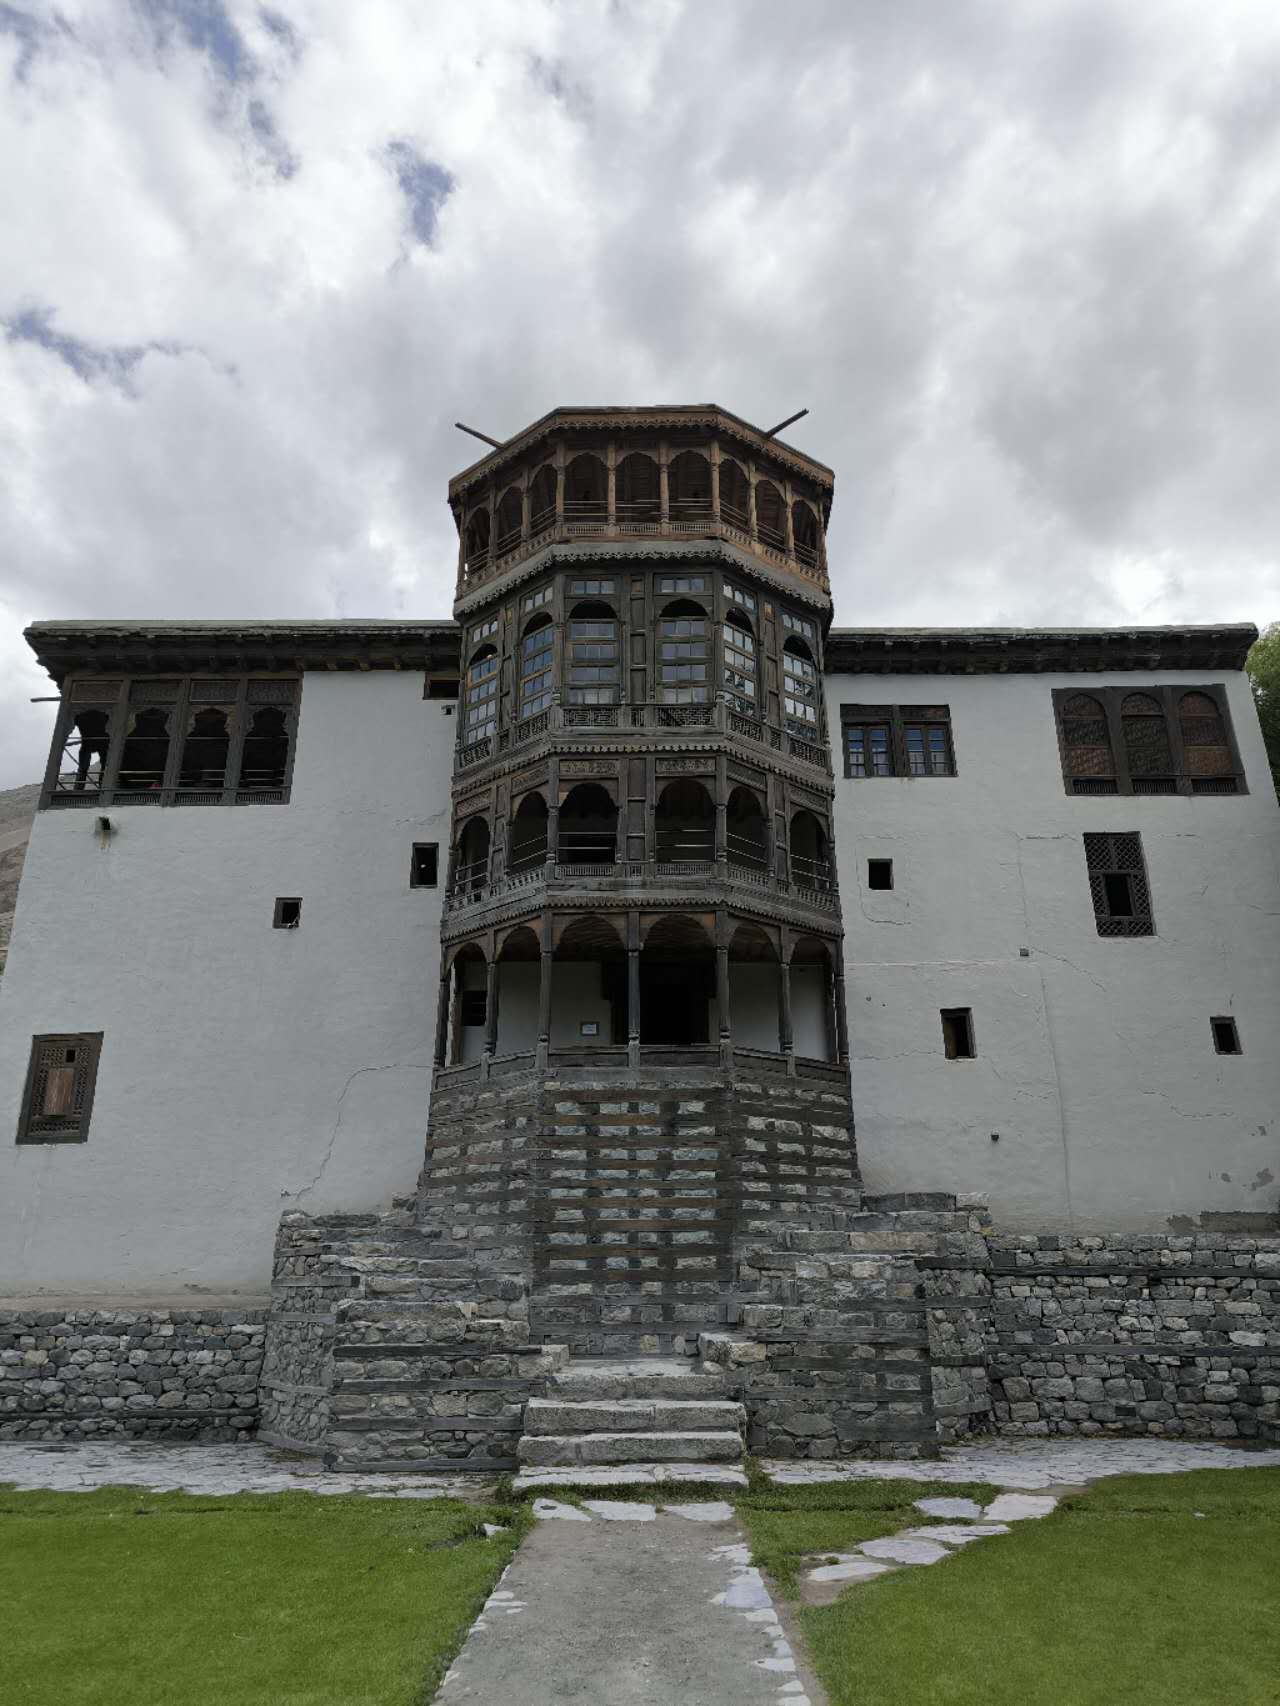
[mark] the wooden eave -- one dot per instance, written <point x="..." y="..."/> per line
<point x="1019" y="651"/>
<point x="187" y="648"/>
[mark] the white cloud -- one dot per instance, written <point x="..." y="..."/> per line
<point x="1020" y="263"/>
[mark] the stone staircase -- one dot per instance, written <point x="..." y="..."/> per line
<point x="599" y="1412"/>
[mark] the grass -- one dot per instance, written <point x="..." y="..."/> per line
<point x="1122" y="1595"/>
<point x="281" y="1600"/>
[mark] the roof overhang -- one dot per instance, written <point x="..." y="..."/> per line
<point x="184" y="648"/>
<point x="1021" y="651"/>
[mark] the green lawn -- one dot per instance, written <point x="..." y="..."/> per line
<point x="126" y="1598"/>
<point x="1123" y="1597"/>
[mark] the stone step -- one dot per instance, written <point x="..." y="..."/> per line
<point x="549" y="1450"/>
<point x="590" y="1381"/>
<point x="632" y="1415"/>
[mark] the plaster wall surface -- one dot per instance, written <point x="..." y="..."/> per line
<point x="1095" y="1063"/>
<point x="245" y="1070"/>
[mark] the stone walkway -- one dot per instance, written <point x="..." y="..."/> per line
<point x="626" y="1604"/>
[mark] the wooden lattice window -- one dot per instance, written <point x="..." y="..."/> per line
<point x="58" y="1098"/>
<point x="480" y="717"/>
<point x="684" y="650"/>
<point x="1118" y="885"/>
<point x="537" y="653"/>
<point x="1161" y="740"/>
<point x="740" y="664"/>
<point x="595" y="661"/>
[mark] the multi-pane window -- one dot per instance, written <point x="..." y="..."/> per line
<point x="740" y="664"/>
<point x="682" y="583"/>
<point x="740" y="595"/>
<point x="481" y="715"/>
<point x="58" y="1097"/>
<point x="1118" y="885"/>
<point x="897" y="740"/>
<point x="595" y="665"/>
<point x="684" y="653"/>
<point x="868" y="749"/>
<point x="536" y="655"/>
<point x="483" y="631"/>
<point x="591" y="588"/>
<point x="800" y="692"/>
<point x="534" y="600"/>
<point x="1162" y="740"/>
<point x="199" y="740"/>
<point x="798" y="625"/>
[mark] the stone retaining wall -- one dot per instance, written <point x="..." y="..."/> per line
<point x="1173" y="1336"/>
<point x="141" y="1373"/>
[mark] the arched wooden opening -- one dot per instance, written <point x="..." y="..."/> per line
<point x="202" y="768"/>
<point x="814" y="1030"/>
<point x="755" y="990"/>
<point x="804" y="531"/>
<point x="1146" y="744"/>
<point x="735" y="495"/>
<point x="480" y="704"/>
<point x="84" y="757"/>
<point x="1205" y="743"/>
<point x="146" y="750"/>
<point x="1087" y="741"/>
<point x="542" y="498"/>
<point x="518" y="968"/>
<point x="810" y="851"/>
<point x="589" y="986"/>
<point x="527" y="843"/>
<point x="771" y="522"/>
<point x="684" y="824"/>
<point x="536" y="666"/>
<point x="468" y="1004"/>
<point x="510" y="521"/>
<point x="746" y="831"/>
<point x="265" y="759"/>
<point x="638" y="501"/>
<point x="677" y="983"/>
<point x="740" y="672"/>
<point x="471" y="857"/>
<point x="476" y="540"/>
<point x="595" y="655"/>
<point x="586" y="491"/>
<point x="800" y="689"/>
<point x="684" y="654"/>
<point x="588" y="829"/>
<point x="689" y="490"/>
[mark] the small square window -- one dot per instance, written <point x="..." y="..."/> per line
<point x="288" y="913"/>
<point x="59" y="1091"/>
<point x="879" y="873"/>
<point x="424" y="869"/>
<point x="957" y="1032"/>
<point x="1226" y="1037"/>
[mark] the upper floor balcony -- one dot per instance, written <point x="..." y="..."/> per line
<point x="644" y="474"/>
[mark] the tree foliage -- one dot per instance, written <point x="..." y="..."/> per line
<point x="1263" y="666"/>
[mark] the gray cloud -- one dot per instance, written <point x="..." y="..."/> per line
<point x="1020" y="263"/>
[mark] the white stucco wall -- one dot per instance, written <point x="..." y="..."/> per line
<point x="244" y="1070"/>
<point x="1094" y="1062"/>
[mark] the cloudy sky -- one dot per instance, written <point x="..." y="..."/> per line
<point x="1018" y="260"/>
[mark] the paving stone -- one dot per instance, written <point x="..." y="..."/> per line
<point x="949" y="1507"/>
<point x="551" y="1510"/>
<point x="900" y="1549"/>
<point x="848" y="1569"/>
<point x="620" y="1510"/>
<point x="716" y="1511"/>
<point x="1015" y="1507"/>
<point x="957" y="1533"/>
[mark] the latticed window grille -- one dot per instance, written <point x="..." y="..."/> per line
<point x="800" y="692"/>
<point x="1164" y="740"/>
<point x="536" y="669"/>
<point x="59" y="1092"/>
<point x="1118" y="885"/>
<point x="798" y="625"/>
<point x="480" y="717"/>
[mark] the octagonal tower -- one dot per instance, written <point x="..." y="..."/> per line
<point x="641" y="1050"/>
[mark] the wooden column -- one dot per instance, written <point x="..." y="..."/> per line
<point x="722" y="990"/>
<point x="442" y="1020"/>
<point x="785" y="1035"/>
<point x="544" y="996"/>
<point x="633" y="989"/>
<point x="553" y="813"/>
<point x="751" y="501"/>
<point x="664" y="487"/>
<point x="491" y="1007"/>
<point x="722" y="810"/>
<point x="715" y="481"/>
<point x="611" y="485"/>
<point x="842" y="1018"/>
<point x="790" y="519"/>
